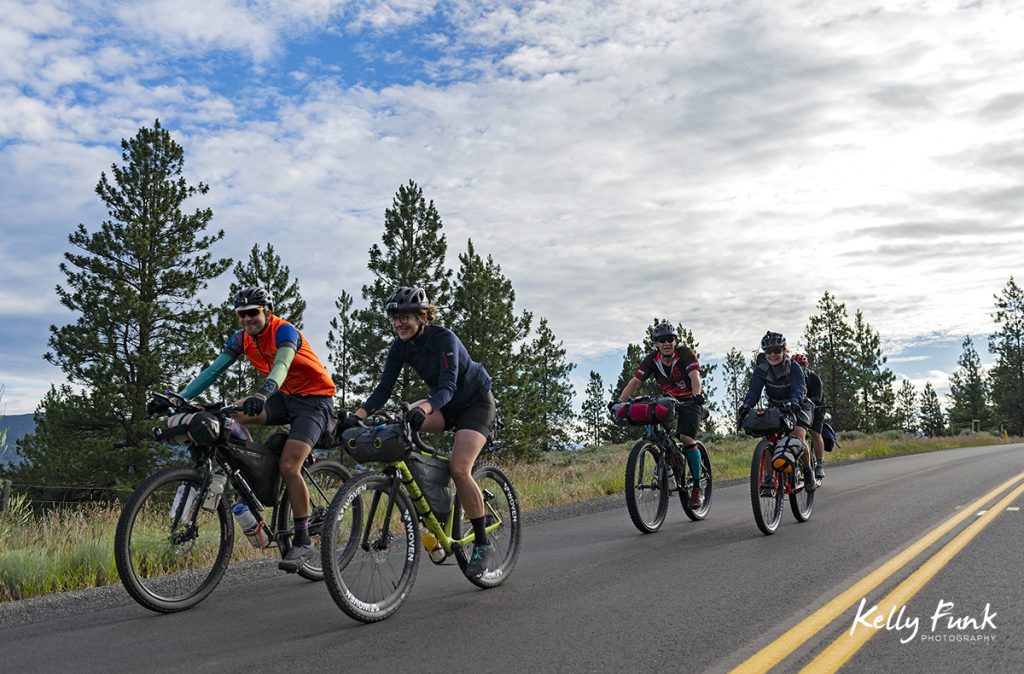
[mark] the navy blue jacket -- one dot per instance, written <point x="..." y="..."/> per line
<point x="440" y="358"/>
<point x="782" y="384"/>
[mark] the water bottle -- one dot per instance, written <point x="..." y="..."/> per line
<point x="217" y="483"/>
<point x="255" y="530"/>
<point x="433" y="547"/>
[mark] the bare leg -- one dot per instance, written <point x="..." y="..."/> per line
<point x="467" y="447"/>
<point x="292" y="457"/>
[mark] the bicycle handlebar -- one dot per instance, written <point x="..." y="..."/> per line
<point x="414" y="436"/>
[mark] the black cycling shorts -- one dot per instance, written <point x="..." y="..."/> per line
<point x="818" y="422"/>
<point x="688" y="420"/>
<point x="479" y="416"/>
<point x="805" y="416"/>
<point x="307" y="415"/>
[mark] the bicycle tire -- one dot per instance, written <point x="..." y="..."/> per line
<point x="706" y="484"/>
<point x="767" y="507"/>
<point x="646" y="487"/>
<point x="363" y="581"/>
<point x="801" y="502"/>
<point x="152" y="565"/>
<point x="502" y="503"/>
<point x="332" y="477"/>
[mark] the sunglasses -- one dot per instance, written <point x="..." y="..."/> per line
<point x="251" y="313"/>
<point x="665" y="340"/>
<point x="774" y="351"/>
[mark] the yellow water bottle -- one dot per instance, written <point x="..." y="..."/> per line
<point x="433" y="547"/>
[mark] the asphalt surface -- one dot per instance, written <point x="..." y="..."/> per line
<point x="591" y="594"/>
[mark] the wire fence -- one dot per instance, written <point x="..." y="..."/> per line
<point x="58" y="494"/>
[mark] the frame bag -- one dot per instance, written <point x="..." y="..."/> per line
<point x="435" y="482"/>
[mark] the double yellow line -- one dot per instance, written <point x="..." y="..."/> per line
<point x="833" y="657"/>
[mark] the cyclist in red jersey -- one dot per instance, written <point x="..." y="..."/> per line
<point x="677" y="371"/>
<point x="298" y="391"/>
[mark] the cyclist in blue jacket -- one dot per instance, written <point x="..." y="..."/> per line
<point x="460" y="399"/>
<point x="782" y="381"/>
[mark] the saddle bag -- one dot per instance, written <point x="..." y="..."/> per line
<point x="382" y="443"/>
<point x="643" y="413"/>
<point x="435" y="482"/>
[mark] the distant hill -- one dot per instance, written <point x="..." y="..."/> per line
<point x="18" y="426"/>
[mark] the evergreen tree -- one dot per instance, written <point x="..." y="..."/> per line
<point x="906" y="408"/>
<point x="264" y="269"/>
<point x="547" y="395"/>
<point x="133" y="283"/>
<point x="482" y="314"/>
<point x="630" y="362"/>
<point x="1006" y="378"/>
<point x="595" y="412"/>
<point x="737" y="373"/>
<point x="412" y="253"/>
<point x="829" y="344"/>
<point x="933" y="421"/>
<point x="968" y="392"/>
<point x="875" y="395"/>
<point x="339" y="350"/>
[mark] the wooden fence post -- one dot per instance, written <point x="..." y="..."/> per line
<point x="5" y="496"/>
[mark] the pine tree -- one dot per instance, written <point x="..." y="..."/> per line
<point x="630" y="362"/>
<point x="906" y="408"/>
<point x="264" y="269"/>
<point x="829" y="344"/>
<point x="1007" y="343"/>
<point x="737" y="372"/>
<point x="413" y="254"/>
<point x="933" y="421"/>
<point x="595" y="412"/>
<point x="339" y="350"/>
<point x="873" y="380"/>
<point x="968" y="392"/>
<point x="547" y="395"/>
<point x="134" y="284"/>
<point x="482" y="314"/>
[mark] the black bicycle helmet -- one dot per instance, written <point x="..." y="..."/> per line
<point x="407" y="299"/>
<point x="252" y="298"/>
<point x="663" y="330"/>
<point x="773" y="340"/>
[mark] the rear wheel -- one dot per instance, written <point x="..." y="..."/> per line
<point x="501" y="508"/>
<point x="800" y="500"/>
<point x="167" y="560"/>
<point x="766" y="489"/>
<point x="646" y="487"/>
<point x="368" y="547"/>
<point x="706" y="484"/>
<point x="324" y="480"/>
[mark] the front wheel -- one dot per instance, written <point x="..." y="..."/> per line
<point x="646" y="487"/>
<point x="167" y="559"/>
<point x="323" y="480"/>
<point x="706" y="484"/>
<point x="368" y="547"/>
<point x="766" y="489"/>
<point x="502" y="519"/>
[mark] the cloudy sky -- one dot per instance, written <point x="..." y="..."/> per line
<point x="723" y="163"/>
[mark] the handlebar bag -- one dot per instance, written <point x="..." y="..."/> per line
<point x="766" y="421"/>
<point x="194" y="428"/>
<point x="382" y="443"/>
<point x="435" y="482"/>
<point x="642" y="413"/>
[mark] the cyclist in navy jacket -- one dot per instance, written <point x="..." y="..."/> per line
<point x="782" y="381"/>
<point x="460" y="399"/>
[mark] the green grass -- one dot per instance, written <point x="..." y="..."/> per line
<point x="72" y="548"/>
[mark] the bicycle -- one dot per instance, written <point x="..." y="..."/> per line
<point x="369" y="547"/>
<point x="648" y="484"/>
<point x="175" y="534"/>
<point x="769" y="484"/>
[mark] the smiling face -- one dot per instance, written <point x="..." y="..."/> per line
<point x="667" y="346"/>
<point x="775" y="355"/>
<point x="406" y="325"/>
<point x="253" y="321"/>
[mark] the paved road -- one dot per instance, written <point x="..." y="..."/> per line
<point x="591" y="594"/>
